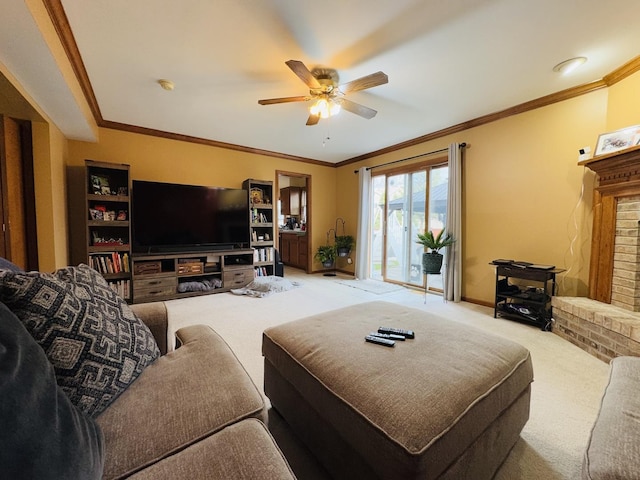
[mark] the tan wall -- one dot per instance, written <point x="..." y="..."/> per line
<point x="49" y="155"/>
<point x="158" y="159"/>
<point x="624" y="104"/>
<point x="522" y="192"/>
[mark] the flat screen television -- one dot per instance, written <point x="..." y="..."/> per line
<point x="169" y="217"/>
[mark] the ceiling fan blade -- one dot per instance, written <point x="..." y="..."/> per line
<point x="271" y="101"/>
<point x="303" y="73"/>
<point x="358" y="109"/>
<point x="362" y="83"/>
<point x="313" y="119"/>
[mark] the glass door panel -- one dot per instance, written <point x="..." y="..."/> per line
<point x="378" y="215"/>
<point x="438" y="190"/>
<point x="400" y="211"/>
<point x="405" y="217"/>
<point x="398" y="194"/>
<point x="417" y="214"/>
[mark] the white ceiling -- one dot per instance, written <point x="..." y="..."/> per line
<point x="447" y="62"/>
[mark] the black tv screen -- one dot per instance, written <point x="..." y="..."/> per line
<point x="172" y="217"/>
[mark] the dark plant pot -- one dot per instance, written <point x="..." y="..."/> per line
<point x="327" y="264"/>
<point x="343" y="252"/>
<point x="431" y="263"/>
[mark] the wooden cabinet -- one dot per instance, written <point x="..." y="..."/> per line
<point x="103" y="209"/>
<point x="290" y="200"/>
<point x="262" y="225"/>
<point x="164" y="277"/>
<point x="303" y="248"/>
<point x="285" y="248"/>
<point x="293" y="249"/>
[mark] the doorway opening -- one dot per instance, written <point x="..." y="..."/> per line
<point x="294" y="218"/>
<point x="18" y="239"/>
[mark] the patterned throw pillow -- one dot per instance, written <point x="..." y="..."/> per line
<point x="96" y="344"/>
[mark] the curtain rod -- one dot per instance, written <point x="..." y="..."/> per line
<point x="462" y="145"/>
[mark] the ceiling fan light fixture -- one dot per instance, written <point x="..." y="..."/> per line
<point x="568" y="66"/>
<point x="327" y="95"/>
<point x="325" y="108"/>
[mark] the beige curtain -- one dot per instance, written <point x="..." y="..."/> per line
<point x="364" y="214"/>
<point x="453" y="265"/>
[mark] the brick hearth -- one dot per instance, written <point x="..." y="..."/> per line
<point x="603" y="330"/>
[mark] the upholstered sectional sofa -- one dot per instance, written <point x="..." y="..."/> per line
<point x="194" y="413"/>
<point x="612" y="451"/>
<point x="89" y="391"/>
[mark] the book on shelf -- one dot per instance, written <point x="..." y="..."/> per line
<point x="121" y="287"/>
<point x="260" y="272"/>
<point x="109" y="262"/>
<point x="263" y="254"/>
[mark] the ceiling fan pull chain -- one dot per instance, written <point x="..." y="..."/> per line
<point x="327" y="138"/>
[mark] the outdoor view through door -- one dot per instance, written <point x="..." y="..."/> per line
<point x="405" y="203"/>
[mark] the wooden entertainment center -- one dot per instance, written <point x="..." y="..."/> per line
<point x="187" y="274"/>
<point x="102" y="238"/>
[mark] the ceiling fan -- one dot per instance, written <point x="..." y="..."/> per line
<point x="327" y="93"/>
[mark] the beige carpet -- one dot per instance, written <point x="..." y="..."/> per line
<point x="372" y="286"/>
<point x="565" y="394"/>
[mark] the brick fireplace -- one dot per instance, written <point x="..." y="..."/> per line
<point x="625" y="279"/>
<point x="607" y="323"/>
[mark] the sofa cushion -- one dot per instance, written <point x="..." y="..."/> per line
<point x="244" y="450"/>
<point x="183" y="397"/>
<point x="42" y="434"/>
<point x="612" y="452"/>
<point x="96" y="344"/>
<point x="7" y="265"/>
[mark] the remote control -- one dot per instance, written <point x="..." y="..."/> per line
<point x="388" y="336"/>
<point x="380" y="341"/>
<point x="397" y="331"/>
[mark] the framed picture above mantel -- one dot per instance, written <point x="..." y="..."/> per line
<point x="619" y="140"/>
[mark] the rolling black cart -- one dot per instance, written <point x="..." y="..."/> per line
<point x="530" y="303"/>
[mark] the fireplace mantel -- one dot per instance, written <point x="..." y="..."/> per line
<point x="618" y="176"/>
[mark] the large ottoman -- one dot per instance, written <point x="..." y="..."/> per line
<point x="448" y="404"/>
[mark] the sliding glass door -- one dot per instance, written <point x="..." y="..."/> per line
<point x="406" y="203"/>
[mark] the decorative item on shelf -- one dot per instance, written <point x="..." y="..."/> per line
<point x="432" y="261"/>
<point x="122" y="215"/>
<point x="100" y="185"/>
<point x="96" y="214"/>
<point x="123" y="191"/>
<point x="256" y="195"/>
<point x="192" y="267"/>
<point x="99" y="241"/>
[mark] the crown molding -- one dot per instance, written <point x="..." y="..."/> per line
<point x="210" y="143"/>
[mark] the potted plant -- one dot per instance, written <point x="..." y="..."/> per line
<point x="326" y="254"/>
<point x="432" y="260"/>
<point x="344" y="244"/>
